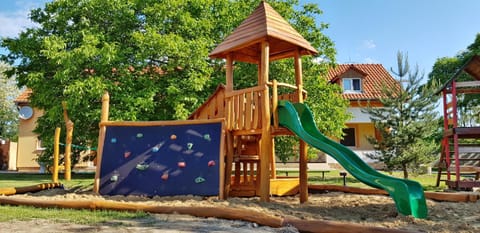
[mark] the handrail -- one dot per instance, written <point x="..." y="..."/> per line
<point x="243" y="91"/>
<point x="287" y="85"/>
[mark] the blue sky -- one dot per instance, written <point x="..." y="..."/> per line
<point x="364" y="31"/>
<point x="372" y="31"/>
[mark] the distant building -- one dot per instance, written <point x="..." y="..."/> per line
<point x="29" y="145"/>
<point x="361" y="84"/>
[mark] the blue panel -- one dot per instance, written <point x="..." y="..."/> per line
<point x="161" y="160"/>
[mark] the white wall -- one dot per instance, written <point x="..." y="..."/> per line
<point x="358" y="115"/>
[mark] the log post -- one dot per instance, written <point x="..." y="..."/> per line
<point x="56" y="149"/>
<point x="303" y="146"/>
<point x="68" y="143"/>
<point x="101" y="139"/>
<point x="266" y="140"/>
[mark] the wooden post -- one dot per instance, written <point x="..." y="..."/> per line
<point x="56" y="148"/>
<point x="228" y="164"/>
<point x="298" y="75"/>
<point x="229" y="136"/>
<point x="303" y="146"/>
<point x="229" y="70"/>
<point x="101" y="139"/>
<point x="455" y="135"/>
<point x="68" y="143"/>
<point x="266" y="140"/>
<point x="275" y="103"/>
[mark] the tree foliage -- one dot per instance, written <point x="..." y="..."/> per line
<point x="151" y="56"/>
<point x="444" y="69"/>
<point x="407" y="135"/>
<point x="8" y="111"/>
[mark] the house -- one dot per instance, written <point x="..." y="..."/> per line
<point x="361" y="84"/>
<point x="29" y="145"/>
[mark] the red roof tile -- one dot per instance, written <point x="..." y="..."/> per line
<point x="24" y="96"/>
<point x="373" y="77"/>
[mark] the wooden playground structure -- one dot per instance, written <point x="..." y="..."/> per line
<point x="460" y="156"/>
<point x="250" y="154"/>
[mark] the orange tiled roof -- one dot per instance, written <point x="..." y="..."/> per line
<point x="373" y="76"/>
<point x="24" y="96"/>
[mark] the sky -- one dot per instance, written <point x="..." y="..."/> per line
<point x="364" y="31"/>
<point x="373" y="31"/>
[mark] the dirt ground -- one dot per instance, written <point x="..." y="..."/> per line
<point x="370" y="210"/>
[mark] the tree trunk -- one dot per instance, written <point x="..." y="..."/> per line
<point x="405" y="172"/>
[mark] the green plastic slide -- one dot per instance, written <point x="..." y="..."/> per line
<point x="407" y="194"/>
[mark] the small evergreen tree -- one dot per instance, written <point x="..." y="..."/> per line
<point x="406" y="122"/>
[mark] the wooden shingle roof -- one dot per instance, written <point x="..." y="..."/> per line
<point x="373" y="77"/>
<point x="264" y="24"/>
<point x="23" y="97"/>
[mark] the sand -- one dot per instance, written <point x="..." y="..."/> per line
<point x="369" y="210"/>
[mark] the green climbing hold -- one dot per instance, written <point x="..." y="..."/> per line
<point x="199" y="180"/>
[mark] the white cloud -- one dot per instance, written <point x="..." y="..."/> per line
<point x="13" y="23"/>
<point x="368" y="44"/>
<point x="369" y="60"/>
<point x="15" y="17"/>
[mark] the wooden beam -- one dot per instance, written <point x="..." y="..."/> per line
<point x="101" y="139"/>
<point x="298" y="75"/>
<point x="56" y="153"/>
<point x="229" y="74"/>
<point x="266" y="139"/>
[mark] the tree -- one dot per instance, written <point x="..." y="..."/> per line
<point x="407" y="135"/>
<point x="8" y="110"/>
<point x="445" y="67"/>
<point x="151" y="56"/>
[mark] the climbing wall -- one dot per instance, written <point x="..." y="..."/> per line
<point x="161" y="160"/>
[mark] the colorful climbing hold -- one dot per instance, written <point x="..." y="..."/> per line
<point x="113" y="140"/>
<point x="181" y="164"/>
<point x="165" y="176"/>
<point x="127" y="154"/>
<point x="199" y="180"/>
<point x="139" y="135"/>
<point x="189" y="145"/>
<point x="155" y="149"/>
<point x="207" y="137"/>
<point x="173" y="136"/>
<point x="142" y="166"/>
<point x="114" y="178"/>
<point x="211" y="163"/>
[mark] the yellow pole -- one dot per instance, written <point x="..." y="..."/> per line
<point x="68" y="143"/>
<point x="56" y="146"/>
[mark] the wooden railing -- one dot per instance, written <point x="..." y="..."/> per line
<point x="290" y="96"/>
<point x="244" y="109"/>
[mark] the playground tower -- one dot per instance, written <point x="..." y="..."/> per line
<point x="263" y="37"/>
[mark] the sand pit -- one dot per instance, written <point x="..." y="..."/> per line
<point x="367" y="210"/>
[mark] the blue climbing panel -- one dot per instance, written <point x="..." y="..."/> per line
<point x="161" y="160"/>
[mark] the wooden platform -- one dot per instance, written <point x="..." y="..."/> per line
<point x="463" y="132"/>
<point x="284" y="186"/>
<point x="463" y="184"/>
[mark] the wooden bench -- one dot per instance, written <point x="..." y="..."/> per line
<point x="312" y="167"/>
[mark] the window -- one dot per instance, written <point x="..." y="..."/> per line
<point x="352" y="85"/>
<point x="349" y="137"/>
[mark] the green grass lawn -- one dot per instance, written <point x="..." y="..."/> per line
<point x="85" y="182"/>
<point x="333" y="177"/>
<point x="82" y="181"/>
<point x="27" y="179"/>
